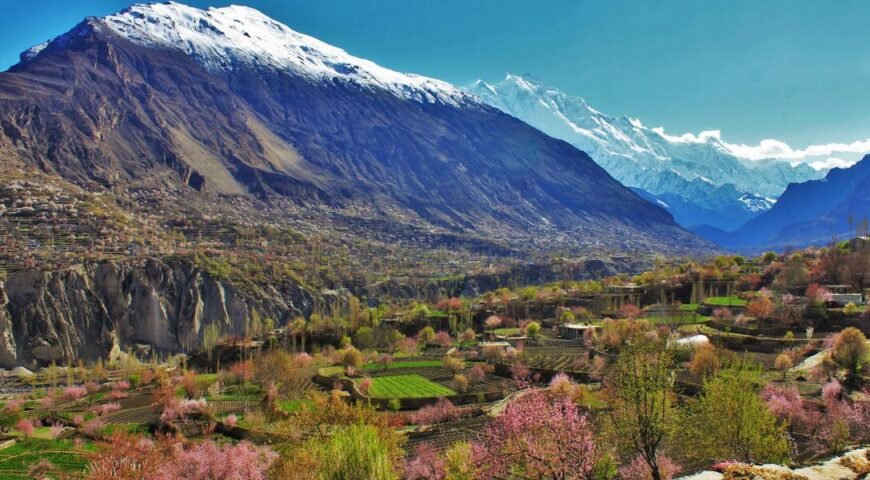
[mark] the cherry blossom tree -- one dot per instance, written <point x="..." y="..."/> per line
<point x="25" y="427"/>
<point x="638" y="469"/>
<point x="426" y="464"/>
<point x="442" y="411"/>
<point x="492" y="323"/>
<point x="208" y="461"/>
<point x="630" y="312"/>
<point x="537" y="436"/>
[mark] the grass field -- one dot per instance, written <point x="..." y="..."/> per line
<point x="407" y="386"/>
<point x="18" y="458"/>
<point x="688" y="307"/>
<point x="731" y="301"/>
<point x="291" y="406"/>
<point x="374" y="367"/>
<point x="679" y="319"/>
<point x="508" y="332"/>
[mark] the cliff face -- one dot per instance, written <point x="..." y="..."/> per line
<point x="89" y="310"/>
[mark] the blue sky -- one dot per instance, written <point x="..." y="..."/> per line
<point x="792" y="70"/>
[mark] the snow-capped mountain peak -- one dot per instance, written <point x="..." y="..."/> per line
<point x="234" y="37"/>
<point x="701" y="170"/>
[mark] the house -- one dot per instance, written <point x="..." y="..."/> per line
<point x="574" y="330"/>
<point x="844" y="294"/>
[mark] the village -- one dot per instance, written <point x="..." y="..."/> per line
<point x="433" y="376"/>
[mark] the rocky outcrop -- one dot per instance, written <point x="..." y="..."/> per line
<point x="89" y="310"/>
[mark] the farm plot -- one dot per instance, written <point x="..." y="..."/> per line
<point x="447" y="434"/>
<point x="224" y="407"/>
<point x="564" y="362"/>
<point x="374" y="367"/>
<point x="139" y="415"/>
<point x="407" y="386"/>
<point x="731" y="301"/>
<point x="17" y="459"/>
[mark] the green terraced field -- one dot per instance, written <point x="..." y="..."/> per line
<point x="374" y="367"/>
<point x="407" y="386"/>
<point x="725" y="301"/>
<point x="17" y="459"/>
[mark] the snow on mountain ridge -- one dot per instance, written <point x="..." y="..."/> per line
<point x="627" y="148"/>
<point x="231" y="37"/>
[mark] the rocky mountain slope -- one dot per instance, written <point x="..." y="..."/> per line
<point x="813" y="212"/>
<point x="89" y="311"/>
<point x="228" y="102"/>
<point x="698" y="182"/>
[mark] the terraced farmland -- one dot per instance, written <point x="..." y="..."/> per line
<point x="407" y="386"/>
<point x="556" y="362"/>
<point x="139" y="415"/>
<point x="374" y="367"/>
<point x="17" y="459"/>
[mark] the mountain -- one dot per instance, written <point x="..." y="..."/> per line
<point x="231" y="106"/>
<point x="673" y="172"/>
<point x="813" y="212"/>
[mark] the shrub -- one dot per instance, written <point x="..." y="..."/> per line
<point x="190" y="385"/>
<point x="468" y="336"/>
<point x="461" y="382"/>
<point x="476" y="374"/>
<point x="92" y="387"/>
<point x="443" y="339"/>
<point x="302" y="360"/>
<point x="533" y="330"/>
<point x="761" y="307"/>
<point x="240" y="373"/>
<point x="630" y="312"/>
<point x="231" y="421"/>
<point x="426" y="335"/>
<point x="723" y="315"/>
<point x="352" y="358"/>
<point x="783" y="363"/>
<point x="705" y="360"/>
<point x="452" y="364"/>
<point x="850" y="350"/>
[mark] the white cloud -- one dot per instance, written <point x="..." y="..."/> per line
<point x="831" y="162"/>
<point x="817" y="156"/>
<point x="702" y="137"/>
<point x="780" y="150"/>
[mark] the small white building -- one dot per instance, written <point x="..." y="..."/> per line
<point x="843" y="294"/>
<point x="692" y="342"/>
<point x="574" y="330"/>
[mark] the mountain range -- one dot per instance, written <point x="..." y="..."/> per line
<point x="814" y="212"/>
<point x="229" y="104"/>
<point x="700" y="181"/>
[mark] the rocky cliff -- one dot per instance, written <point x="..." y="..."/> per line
<point x="90" y="310"/>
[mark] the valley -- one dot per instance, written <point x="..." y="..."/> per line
<point x="230" y="250"/>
